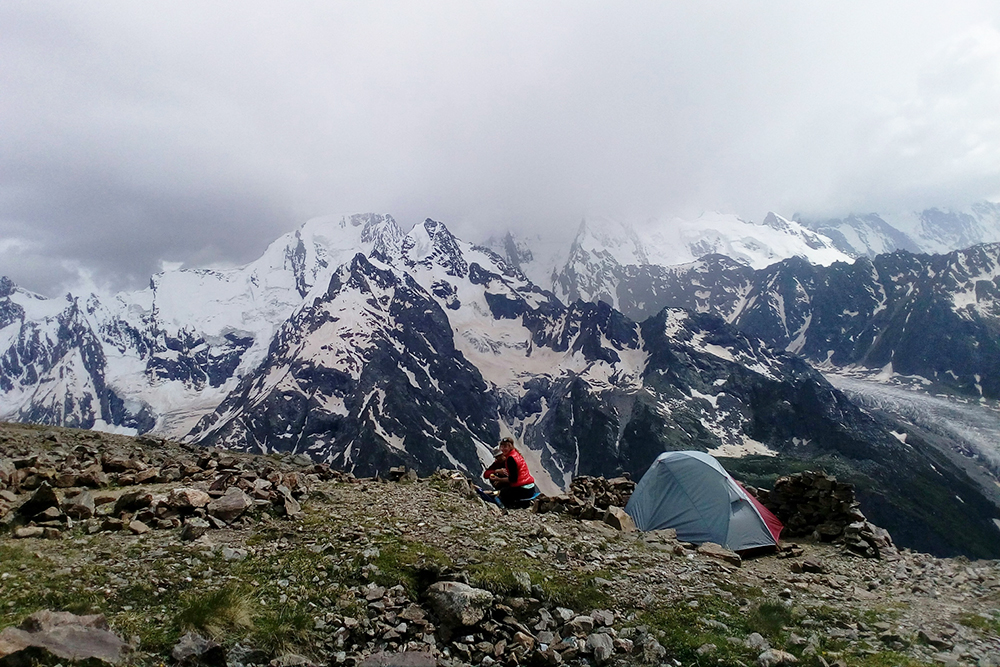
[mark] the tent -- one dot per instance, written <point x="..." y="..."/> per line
<point x="692" y="493"/>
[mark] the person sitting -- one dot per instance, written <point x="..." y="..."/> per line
<point x="499" y="464"/>
<point x="516" y="485"/>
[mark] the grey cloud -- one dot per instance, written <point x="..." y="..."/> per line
<point x="198" y="132"/>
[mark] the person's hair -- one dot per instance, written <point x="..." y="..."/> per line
<point x="510" y="440"/>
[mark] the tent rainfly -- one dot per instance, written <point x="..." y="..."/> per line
<point x="692" y="493"/>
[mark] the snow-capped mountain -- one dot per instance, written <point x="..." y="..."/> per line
<point x="932" y="231"/>
<point x="425" y="359"/>
<point x="864" y="235"/>
<point x="925" y="319"/>
<point x="360" y="345"/>
<point x="591" y="265"/>
<point x="161" y="357"/>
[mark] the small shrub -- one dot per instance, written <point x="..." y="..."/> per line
<point x="682" y="630"/>
<point x="570" y="592"/>
<point x="887" y="659"/>
<point x="768" y="618"/>
<point x="410" y="564"/>
<point x="213" y="613"/>
<point x="988" y="624"/>
<point x="281" y="630"/>
<point x="494" y="577"/>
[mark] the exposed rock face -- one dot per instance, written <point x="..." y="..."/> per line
<point x="340" y="408"/>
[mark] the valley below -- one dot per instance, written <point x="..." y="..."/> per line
<point x="967" y="431"/>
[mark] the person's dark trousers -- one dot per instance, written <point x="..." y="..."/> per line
<point x="517" y="497"/>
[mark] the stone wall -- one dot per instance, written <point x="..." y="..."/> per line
<point x="589" y="497"/>
<point x="814" y="504"/>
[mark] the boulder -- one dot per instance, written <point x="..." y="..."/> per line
<point x="458" y="604"/>
<point x="579" y="626"/>
<point x="773" y="657"/>
<point x="147" y="475"/>
<point x="29" y="531"/>
<point x="48" y="637"/>
<point x="230" y="505"/>
<point x="130" y="501"/>
<point x="80" y="507"/>
<point x="43" y="498"/>
<point x="193" y="529"/>
<point x="186" y="499"/>
<point x="652" y="650"/>
<point x="617" y="518"/>
<point x="7" y="472"/>
<point x="755" y="641"/>
<point x="138" y="527"/>
<point x="93" y="477"/>
<point x="602" y="646"/>
<point x="287" y="502"/>
<point x="193" y="649"/>
<point x="713" y="550"/>
<point x="291" y="660"/>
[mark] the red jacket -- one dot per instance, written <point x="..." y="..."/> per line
<point x="517" y="469"/>
<point x="498" y="464"/>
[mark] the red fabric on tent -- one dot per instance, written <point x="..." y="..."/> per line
<point x="774" y="525"/>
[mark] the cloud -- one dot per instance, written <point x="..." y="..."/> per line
<point x="199" y="132"/>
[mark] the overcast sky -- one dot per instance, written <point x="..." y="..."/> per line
<point x="133" y="133"/>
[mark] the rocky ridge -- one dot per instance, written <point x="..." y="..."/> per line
<point x="419" y="572"/>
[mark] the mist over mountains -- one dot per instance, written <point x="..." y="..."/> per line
<point x="365" y="346"/>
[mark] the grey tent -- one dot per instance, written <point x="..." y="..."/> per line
<point x="692" y="493"/>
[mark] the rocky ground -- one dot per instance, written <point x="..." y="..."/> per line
<point x="207" y="556"/>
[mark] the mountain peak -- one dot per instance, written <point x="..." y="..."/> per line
<point x="7" y="286"/>
<point x="775" y="221"/>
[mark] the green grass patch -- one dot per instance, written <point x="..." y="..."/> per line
<point x="769" y="618"/>
<point x="414" y="565"/>
<point x="33" y="583"/>
<point x="682" y="629"/>
<point x="989" y="625"/>
<point x="580" y="592"/>
<point x="887" y="659"/>
<point x="12" y="557"/>
<point x="284" y="629"/>
<point x="215" y="612"/>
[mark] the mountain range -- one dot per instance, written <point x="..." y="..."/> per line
<point x="367" y="347"/>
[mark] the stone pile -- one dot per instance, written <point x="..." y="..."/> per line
<point x="42" y="494"/>
<point x="815" y="504"/>
<point x="589" y="497"/>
